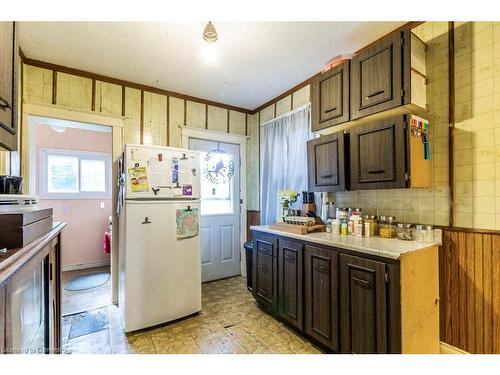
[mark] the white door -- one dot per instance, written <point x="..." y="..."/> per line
<point x="220" y="208"/>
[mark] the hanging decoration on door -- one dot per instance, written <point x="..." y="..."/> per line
<point x="219" y="167"/>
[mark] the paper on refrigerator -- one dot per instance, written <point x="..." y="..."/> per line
<point x="185" y="174"/>
<point x="158" y="173"/>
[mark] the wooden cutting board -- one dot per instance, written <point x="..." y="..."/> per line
<point x="298" y="229"/>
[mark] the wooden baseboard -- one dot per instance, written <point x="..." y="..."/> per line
<point x="81" y="266"/>
<point x="445" y="348"/>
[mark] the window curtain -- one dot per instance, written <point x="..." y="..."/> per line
<point x="283" y="159"/>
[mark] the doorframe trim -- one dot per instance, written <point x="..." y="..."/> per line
<point x="116" y="123"/>
<point x="241" y="140"/>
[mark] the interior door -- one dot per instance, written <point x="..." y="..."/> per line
<point x="220" y="208"/>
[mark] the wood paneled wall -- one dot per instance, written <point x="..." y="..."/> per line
<point x="469" y="269"/>
<point x="253" y="218"/>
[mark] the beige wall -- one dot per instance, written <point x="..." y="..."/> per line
<point x="162" y="114"/>
<point x="87" y="221"/>
<point x="414" y="205"/>
<point x="477" y="144"/>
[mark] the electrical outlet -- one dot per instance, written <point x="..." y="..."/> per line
<point x="438" y="236"/>
<point x="65" y="208"/>
<point x="101" y="205"/>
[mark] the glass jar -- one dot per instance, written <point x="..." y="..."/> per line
<point x="335" y="223"/>
<point x="341" y="213"/>
<point x="404" y="231"/>
<point x="371" y="226"/>
<point x="387" y="227"/>
<point x="423" y="233"/>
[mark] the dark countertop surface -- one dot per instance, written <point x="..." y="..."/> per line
<point x="14" y="259"/>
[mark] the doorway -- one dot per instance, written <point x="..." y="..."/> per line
<point x="220" y="208"/>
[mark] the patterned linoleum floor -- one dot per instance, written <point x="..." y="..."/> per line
<point x="230" y="322"/>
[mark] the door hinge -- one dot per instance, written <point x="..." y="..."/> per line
<point x="386" y="277"/>
<point x="402" y="42"/>
<point x="403" y="93"/>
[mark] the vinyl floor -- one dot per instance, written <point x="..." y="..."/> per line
<point x="230" y="323"/>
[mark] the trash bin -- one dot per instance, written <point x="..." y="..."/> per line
<point x="248" y="252"/>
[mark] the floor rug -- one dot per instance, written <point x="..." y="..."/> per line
<point x="88" y="322"/>
<point x="90" y="281"/>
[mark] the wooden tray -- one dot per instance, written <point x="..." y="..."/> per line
<point x="298" y="229"/>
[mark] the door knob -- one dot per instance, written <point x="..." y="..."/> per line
<point x="146" y="221"/>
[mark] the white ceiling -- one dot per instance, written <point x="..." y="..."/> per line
<point x="256" y="61"/>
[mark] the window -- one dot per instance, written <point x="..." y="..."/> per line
<point x="68" y="174"/>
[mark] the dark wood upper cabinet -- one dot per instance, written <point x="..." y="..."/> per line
<point x="389" y="74"/>
<point x="327" y="169"/>
<point x="376" y="77"/>
<point x="8" y="110"/>
<point x="378" y="155"/>
<point x="362" y="306"/>
<point x="330" y="97"/>
<point x="290" y="306"/>
<point x="265" y="281"/>
<point x="321" y="290"/>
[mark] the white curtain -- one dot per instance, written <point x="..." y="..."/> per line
<point x="283" y="159"/>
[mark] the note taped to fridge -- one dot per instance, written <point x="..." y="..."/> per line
<point x="138" y="179"/>
<point x="187" y="222"/>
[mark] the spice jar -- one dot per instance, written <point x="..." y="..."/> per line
<point x="404" y="231"/>
<point x="371" y="226"/>
<point x="423" y="233"/>
<point x="387" y="227"/>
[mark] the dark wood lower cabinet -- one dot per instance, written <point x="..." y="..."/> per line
<point x="30" y="298"/>
<point x="321" y="285"/>
<point x="2" y="319"/>
<point x="265" y="283"/>
<point x="363" y="304"/>
<point x="347" y="303"/>
<point x="290" y="303"/>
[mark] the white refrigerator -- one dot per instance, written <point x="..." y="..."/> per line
<point x="159" y="252"/>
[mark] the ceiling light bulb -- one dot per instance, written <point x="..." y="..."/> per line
<point x="209" y="53"/>
<point x="210" y="34"/>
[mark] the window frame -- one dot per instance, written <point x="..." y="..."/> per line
<point x="87" y="155"/>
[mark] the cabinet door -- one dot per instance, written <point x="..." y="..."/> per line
<point x="321" y="286"/>
<point x="2" y="319"/>
<point x="376" y="77"/>
<point x="26" y="317"/>
<point x="330" y="98"/>
<point x="54" y="276"/>
<point x="378" y="155"/>
<point x="326" y="162"/>
<point x="290" y="282"/>
<point x="264" y="271"/>
<point x="8" y="138"/>
<point x="362" y="306"/>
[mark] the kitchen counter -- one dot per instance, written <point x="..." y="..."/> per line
<point x="384" y="247"/>
<point x="14" y="259"/>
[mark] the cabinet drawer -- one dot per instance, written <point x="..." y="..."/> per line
<point x="265" y="244"/>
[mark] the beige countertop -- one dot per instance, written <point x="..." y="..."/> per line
<point x="384" y="247"/>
